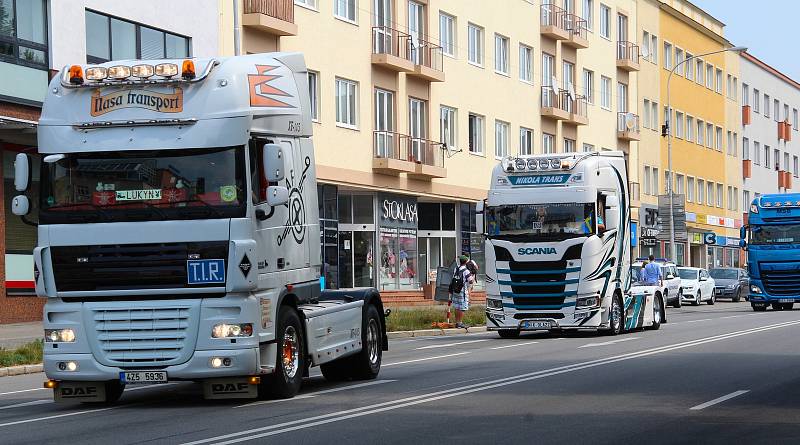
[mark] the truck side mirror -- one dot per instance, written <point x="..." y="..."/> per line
<point x="742" y="232"/>
<point x="612" y="212"/>
<point x="277" y="195"/>
<point x="479" y="217"/>
<point x="743" y="243"/>
<point x="20" y="205"/>
<point x="22" y="172"/>
<point x="273" y="162"/>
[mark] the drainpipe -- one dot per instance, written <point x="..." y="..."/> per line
<point x="237" y="30"/>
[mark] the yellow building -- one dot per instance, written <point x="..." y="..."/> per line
<point x="416" y="100"/>
<point x="703" y="98"/>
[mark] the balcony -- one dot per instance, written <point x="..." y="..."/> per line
<point x="578" y="32"/>
<point x="628" y="127"/>
<point x="552" y="22"/>
<point x="391" y="155"/>
<point x="747" y="168"/>
<point x="428" y="60"/>
<point x="275" y="17"/>
<point x="747" y="118"/>
<point x="784" y="180"/>
<point x="628" y="56"/>
<point x="784" y="131"/>
<point x="428" y="158"/>
<point x="390" y="49"/>
<point x="578" y="110"/>
<point x="553" y="103"/>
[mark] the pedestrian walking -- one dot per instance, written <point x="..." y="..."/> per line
<point x="459" y="289"/>
<point x="651" y="273"/>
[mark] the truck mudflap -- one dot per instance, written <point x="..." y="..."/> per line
<point x="231" y="388"/>
<point x="369" y="295"/>
<point x="80" y="392"/>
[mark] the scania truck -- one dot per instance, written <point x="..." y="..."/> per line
<point x="178" y="233"/>
<point x="772" y="240"/>
<point x="557" y="238"/>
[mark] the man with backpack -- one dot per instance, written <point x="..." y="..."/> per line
<point x="459" y="289"/>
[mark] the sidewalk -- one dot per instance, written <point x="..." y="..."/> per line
<point x="16" y="334"/>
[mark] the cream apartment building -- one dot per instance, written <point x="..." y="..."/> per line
<point x="415" y="101"/>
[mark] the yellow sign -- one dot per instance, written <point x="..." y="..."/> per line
<point x="150" y="100"/>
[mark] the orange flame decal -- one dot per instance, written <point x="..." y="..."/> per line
<point x="261" y="90"/>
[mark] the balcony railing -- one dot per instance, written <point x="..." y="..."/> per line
<point x="426" y="152"/>
<point x="561" y="105"/>
<point x="390" y="41"/>
<point x="628" y="56"/>
<point x="553" y="21"/>
<point x="628" y="126"/>
<point x="578" y="31"/>
<point x="427" y="54"/>
<point x="279" y="9"/>
<point x="397" y="153"/>
<point x="391" y="145"/>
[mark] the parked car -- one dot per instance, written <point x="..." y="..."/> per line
<point x="697" y="285"/>
<point x="730" y="282"/>
<point x="672" y="283"/>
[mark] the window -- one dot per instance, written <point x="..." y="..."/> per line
<point x="735" y="199"/>
<point x="23" y="33"/>
<point x="569" y="145"/>
<point x="710" y="76"/>
<point x="447" y="34"/>
<point x="667" y="55"/>
<point x="679" y="124"/>
<point x="709" y="135"/>
<point x="795" y="166"/>
<point x="756" y="101"/>
<point x="690" y="189"/>
<point x="730" y="142"/>
<point x="718" y="86"/>
<point x="417" y="127"/>
<point x="679" y="61"/>
<point x="500" y="54"/>
<point x="689" y="67"/>
<point x="735" y="88"/>
<point x="701" y="131"/>
<point x="448" y="133"/>
<point x="719" y="196"/>
<point x="756" y="153"/>
<point x="690" y="129"/>
<point x="646" y="44"/>
<point x="385" y="123"/>
<point x="777" y="157"/>
<point x="525" y="141"/>
<point x="766" y="156"/>
<point x="745" y="149"/>
<point x="109" y="38"/>
<point x="548" y="70"/>
<point x="622" y="97"/>
<point x="307" y="3"/>
<point x="766" y="105"/>
<point x="646" y="180"/>
<point x="785" y="113"/>
<point x="730" y="85"/>
<point x="345" y="9"/>
<point x="313" y="94"/>
<point x="731" y="199"/>
<point x="587" y="13"/>
<point x="794" y="118"/>
<point x="786" y="162"/>
<point x="605" y="92"/>
<point x="709" y="193"/>
<point x="777" y="110"/>
<point x="475" y="43"/>
<point x="718" y="142"/>
<point x="745" y="94"/>
<point x="525" y="63"/>
<point x="588" y="147"/>
<point x="588" y="85"/>
<point x="735" y="150"/>
<point x="476" y="134"/>
<point x="646" y="114"/>
<point x="346" y="102"/>
<point x="699" y="72"/>
<point x="500" y="139"/>
<point x="669" y="121"/>
<point x="654" y="47"/>
<point x="746" y="200"/>
<point x="655" y="183"/>
<point x="679" y="184"/>
<point x="654" y="116"/>
<point x="548" y="141"/>
<point x="605" y="21"/>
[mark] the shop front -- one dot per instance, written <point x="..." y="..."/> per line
<point x="648" y="231"/>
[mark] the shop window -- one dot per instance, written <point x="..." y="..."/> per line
<point x="363" y="209"/>
<point x="345" y="209"/>
<point x="448" y="216"/>
<point x="429" y="216"/>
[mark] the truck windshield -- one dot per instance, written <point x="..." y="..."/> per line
<point x="777" y="234"/>
<point x="541" y="221"/>
<point x="144" y="185"/>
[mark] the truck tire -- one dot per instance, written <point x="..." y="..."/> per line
<point x="759" y="307"/>
<point x="366" y="364"/>
<point x="288" y="376"/>
<point x="616" y="317"/>
<point x="508" y="333"/>
<point x="658" y="314"/>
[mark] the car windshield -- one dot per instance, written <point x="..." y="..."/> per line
<point x="775" y="234"/>
<point x="541" y="221"/>
<point x="724" y="274"/>
<point x="144" y="185"/>
<point x="688" y="274"/>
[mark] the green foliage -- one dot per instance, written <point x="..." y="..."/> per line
<point x="27" y="354"/>
<point x="413" y="318"/>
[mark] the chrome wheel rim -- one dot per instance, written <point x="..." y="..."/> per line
<point x="657" y="312"/>
<point x="290" y="353"/>
<point x="372" y="341"/>
<point x="616" y="316"/>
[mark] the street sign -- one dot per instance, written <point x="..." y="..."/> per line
<point x="679" y="217"/>
<point x="710" y="238"/>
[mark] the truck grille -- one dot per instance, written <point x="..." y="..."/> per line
<point x="144" y="336"/>
<point x="129" y="266"/>
<point x="782" y="282"/>
<point x="538" y="284"/>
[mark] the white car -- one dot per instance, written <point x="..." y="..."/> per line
<point x="697" y="286"/>
<point x="671" y="289"/>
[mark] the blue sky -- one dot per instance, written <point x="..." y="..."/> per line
<point x="768" y="28"/>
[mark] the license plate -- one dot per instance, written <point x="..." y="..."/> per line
<point x="133" y="377"/>
<point x="536" y="325"/>
<point x="786" y="300"/>
<point x="205" y="271"/>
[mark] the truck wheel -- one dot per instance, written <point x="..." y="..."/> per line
<point x="508" y="333"/>
<point x="288" y="376"/>
<point x="615" y="317"/>
<point x="759" y="307"/>
<point x="658" y="314"/>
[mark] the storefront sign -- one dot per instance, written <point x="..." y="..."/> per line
<point x="697" y="238"/>
<point x="398" y="211"/>
<point x="150" y="100"/>
<point x="538" y="179"/>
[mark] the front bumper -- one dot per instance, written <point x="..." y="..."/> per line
<point x="579" y="319"/>
<point x="244" y="362"/>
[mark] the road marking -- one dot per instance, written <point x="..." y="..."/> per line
<point x="606" y="343"/>
<point x="515" y="345"/>
<point x="423" y="359"/>
<point x="32" y="402"/>
<point x="697" y="321"/>
<point x="447" y="345"/>
<point x="316" y="393"/>
<point x="720" y="399"/>
<point x="21" y="391"/>
<point x="74" y="413"/>
<point x="338" y="416"/>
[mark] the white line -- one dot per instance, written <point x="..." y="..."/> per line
<point x="21" y="391"/>
<point x="720" y="399"/>
<point x="272" y="430"/>
<point x="316" y="393"/>
<point x="423" y="359"/>
<point x="697" y="321"/>
<point x="74" y="413"/>
<point x="516" y="344"/>
<point x="606" y="343"/>
<point x="32" y="402"/>
<point x="447" y="345"/>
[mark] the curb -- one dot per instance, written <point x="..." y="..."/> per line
<point x="433" y="332"/>
<point x="20" y="370"/>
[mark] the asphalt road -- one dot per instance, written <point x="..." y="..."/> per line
<point x="714" y="374"/>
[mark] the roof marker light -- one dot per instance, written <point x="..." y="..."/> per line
<point x="75" y="75"/>
<point x="519" y="164"/>
<point x="119" y="72"/>
<point x="166" y="69"/>
<point x="187" y="70"/>
<point x="532" y="164"/>
<point x="96" y="73"/>
<point x="143" y="71"/>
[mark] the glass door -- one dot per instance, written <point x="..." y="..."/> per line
<point x="416" y="20"/>
<point x="416" y="128"/>
<point x="363" y="259"/>
<point x="345" y="259"/>
<point x="383" y="42"/>
<point x="384" y="124"/>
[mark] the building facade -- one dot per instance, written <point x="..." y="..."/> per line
<point x="40" y="37"/>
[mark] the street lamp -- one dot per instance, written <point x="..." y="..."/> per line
<point x="668" y="133"/>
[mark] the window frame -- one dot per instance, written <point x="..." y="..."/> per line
<point x="479" y="40"/>
<point x="314" y="97"/>
<point x="501" y="133"/>
<point x="526" y="69"/>
<point x="605" y="22"/>
<point x="479" y="147"/>
<point x="526" y="134"/>
<point x="450" y="45"/>
<point x="138" y="38"/>
<point x="348" y="82"/>
<point x="17" y="43"/>
<point x="501" y="54"/>
<point x="345" y="18"/>
<point x="453" y="120"/>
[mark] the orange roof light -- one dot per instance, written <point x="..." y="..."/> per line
<point x="187" y="70"/>
<point x="75" y="75"/>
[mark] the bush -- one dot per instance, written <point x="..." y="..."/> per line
<point x="413" y="318"/>
<point x="27" y="354"/>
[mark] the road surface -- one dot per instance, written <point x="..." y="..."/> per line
<point x="714" y="374"/>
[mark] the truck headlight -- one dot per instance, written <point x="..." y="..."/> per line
<point x="755" y="289"/>
<point x="59" y="336"/>
<point x="493" y="303"/>
<point x="225" y="330"/>
<point x="584" y="302"/>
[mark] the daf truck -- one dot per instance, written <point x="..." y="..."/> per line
<point x="178" y="233"/>
<point x="557" y="246"/>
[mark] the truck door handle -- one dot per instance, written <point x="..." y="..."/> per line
<point x="281" y="263"/>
